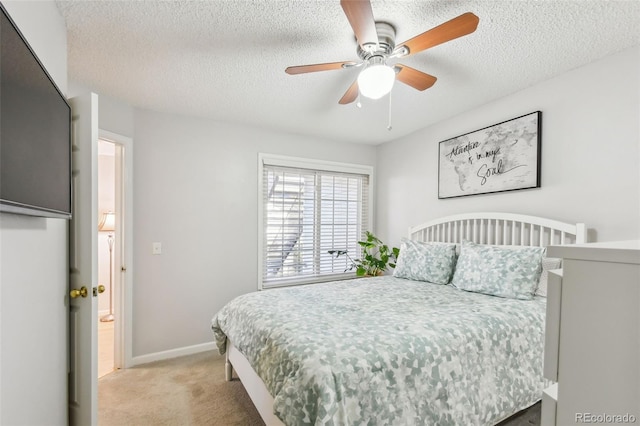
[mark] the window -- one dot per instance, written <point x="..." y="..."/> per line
<point x="306" y="209"/>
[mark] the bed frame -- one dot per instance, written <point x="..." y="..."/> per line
<point x="481" y="228"/>
<point x="500" y="229"/>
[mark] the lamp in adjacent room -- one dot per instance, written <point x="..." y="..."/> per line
<point x="108" y="224"/>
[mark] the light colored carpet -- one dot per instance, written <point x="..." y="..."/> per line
<point x="188" y="390"/>
<point x="191" y="390"/>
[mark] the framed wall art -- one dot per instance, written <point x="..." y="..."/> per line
<point x="501" y="157"/>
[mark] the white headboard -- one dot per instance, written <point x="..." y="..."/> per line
<point x="500" y="229"/>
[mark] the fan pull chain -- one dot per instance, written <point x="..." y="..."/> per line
<point x="358" y="103"/>
<point x="389" y="125"/>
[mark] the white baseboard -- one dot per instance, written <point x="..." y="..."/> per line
<point x="173" y="353"/>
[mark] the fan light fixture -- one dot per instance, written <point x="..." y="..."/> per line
<point x="377" y="44"/>
<point x="377" y="80"/>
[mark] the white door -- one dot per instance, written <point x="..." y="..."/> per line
<point x="83" y="264"/>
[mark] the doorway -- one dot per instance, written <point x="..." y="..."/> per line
<point x="106" y="240"/>
<point x="114" y="243"/>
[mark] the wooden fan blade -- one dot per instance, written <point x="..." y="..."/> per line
<point x="414" y="78"/>
<point x="301" y="69"/>
<point x="450" y="30"/>
<point x="350" y="95"/>
<point x="360" y="16"/>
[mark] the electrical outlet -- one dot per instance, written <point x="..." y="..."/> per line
<point x="157" y="248"/>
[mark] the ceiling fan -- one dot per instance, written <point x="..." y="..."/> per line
<point x="376" y="45"/>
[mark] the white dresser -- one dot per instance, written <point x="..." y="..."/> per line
<point x="592" y="342"/>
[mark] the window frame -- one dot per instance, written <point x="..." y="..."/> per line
<point x="316" y="165"/>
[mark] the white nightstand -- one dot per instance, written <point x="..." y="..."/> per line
<point x="592" y="346"/>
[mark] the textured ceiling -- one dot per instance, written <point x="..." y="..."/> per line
<point x="225" y="59"/>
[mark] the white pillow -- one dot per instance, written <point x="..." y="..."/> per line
<point x="548" y="263"/>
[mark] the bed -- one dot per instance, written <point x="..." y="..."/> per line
<point x="390" y="350"/>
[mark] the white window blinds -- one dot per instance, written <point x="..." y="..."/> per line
<point x="306" y="213"/>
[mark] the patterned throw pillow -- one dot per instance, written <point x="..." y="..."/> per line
<point x="548" y="264"/>
<point x="499" y="271"/>
<point x="431" y="262"/>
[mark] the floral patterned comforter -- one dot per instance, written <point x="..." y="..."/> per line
<point x="389" y="351"/>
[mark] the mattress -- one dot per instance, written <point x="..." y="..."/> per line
<point x="389" y="351"/>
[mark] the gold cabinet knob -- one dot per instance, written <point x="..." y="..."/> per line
<point x="82" y="292"/>
<point x="100" y="288"/>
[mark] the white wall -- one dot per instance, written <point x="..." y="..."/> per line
<point x="114" y="115"/>
<point x="195" y="185"/>
<point x="195" y="189"/>
<point x="33" y="270"/>
<point x="590" y="156"/>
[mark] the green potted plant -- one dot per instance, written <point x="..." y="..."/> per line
<point x="376" y="257"/>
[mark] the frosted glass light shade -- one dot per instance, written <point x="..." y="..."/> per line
<point x="376" y="81"/>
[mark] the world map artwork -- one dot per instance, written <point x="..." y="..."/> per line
<point x="501" y="157"/>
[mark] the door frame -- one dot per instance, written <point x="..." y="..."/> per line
<point x="123" y="249"/>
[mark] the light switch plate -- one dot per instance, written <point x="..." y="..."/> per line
<point x="157" y="248"/>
